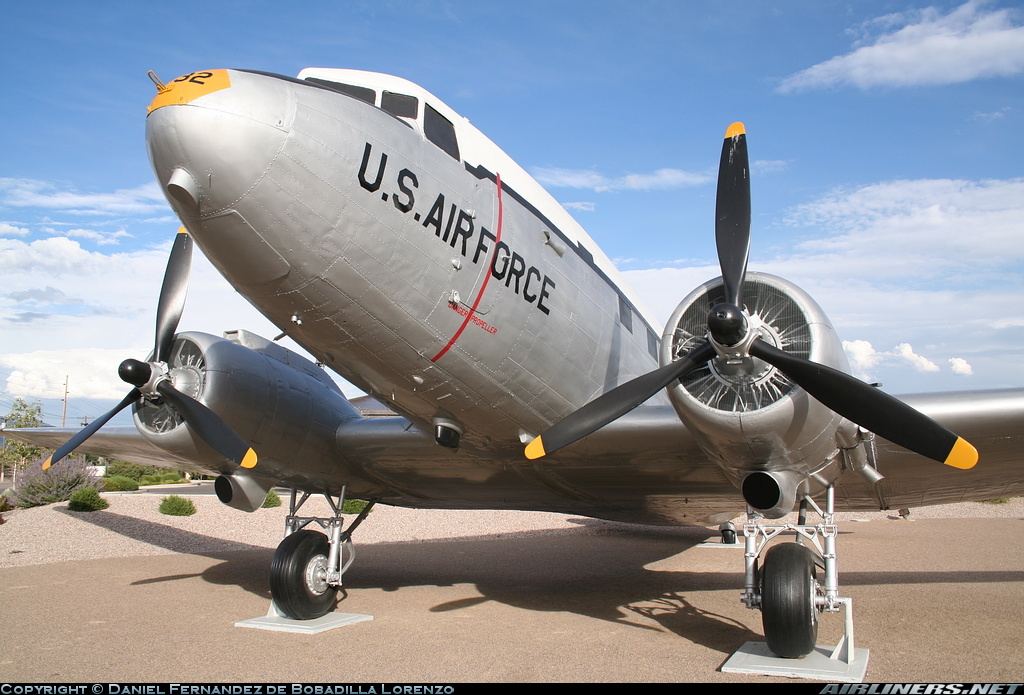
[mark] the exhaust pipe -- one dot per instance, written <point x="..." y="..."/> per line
<point x="242" y="491"/>
<point x="772" y="494"/>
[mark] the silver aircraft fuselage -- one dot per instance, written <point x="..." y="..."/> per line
<point x="398" y="265"/>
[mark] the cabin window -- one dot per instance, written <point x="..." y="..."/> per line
<point x="440" y="131"/>
<point x="652" y="343"/>
<point x="399" y="104"/>
<point x="625" y="314"/>
<point x="362" y="93"/>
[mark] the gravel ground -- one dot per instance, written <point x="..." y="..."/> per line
<point x="133" y="526"/>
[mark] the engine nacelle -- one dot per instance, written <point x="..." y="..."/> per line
<point x="283" y="405"/>
<point x="768" y="435"/>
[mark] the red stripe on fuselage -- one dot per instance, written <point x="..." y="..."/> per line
<point x="483" y="285"/>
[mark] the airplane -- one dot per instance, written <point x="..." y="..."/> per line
<point x="407" y="253"/>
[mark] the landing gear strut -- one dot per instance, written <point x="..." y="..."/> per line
<point x="786" y="587"/>
<point x="306" y="571"/>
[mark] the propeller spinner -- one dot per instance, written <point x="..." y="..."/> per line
<point x="151" y="379"/>
<point x="729" y="334"/>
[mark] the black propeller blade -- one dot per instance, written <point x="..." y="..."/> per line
<point x="732" y="212"/>
<point x="87" y="431"/>
<point x="728" y="326"/>
<point x="172" y="294"/>
<point x="210" y="427"/>
<point x="870" y="408"/>
<point x="612" y="405"/>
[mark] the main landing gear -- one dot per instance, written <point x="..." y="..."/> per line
<point x="306" y="571"/>
<point x="786" y="586"/>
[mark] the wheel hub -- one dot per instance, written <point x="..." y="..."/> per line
<point x="316" y="575"/>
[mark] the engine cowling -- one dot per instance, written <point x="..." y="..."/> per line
<point x="770" y="437"/>
<point x="286" y="407"/>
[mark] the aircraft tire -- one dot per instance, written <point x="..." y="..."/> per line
<point x="296" y="576"/>
<point x="788" y="589"/>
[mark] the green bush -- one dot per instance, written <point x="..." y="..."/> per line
<point x="150" y="480"/>
<point x="135" y="471"/>
<point x="353" y="506"/>
<point x="177" y="506"/>
<point x="171" y="477"/>
<point x="86" y="499"/>
<point x="37" y="487"/>
<point x="273" y="500"/>
<point x="120" y="483"/>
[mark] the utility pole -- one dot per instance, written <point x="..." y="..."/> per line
<point x="64" y="414"/>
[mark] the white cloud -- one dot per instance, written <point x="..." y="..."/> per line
<point x="569" y="178"/>
<point x="583" y="206"/>
<point x="991" y="116"/>
<point x="865" y="359"/>
<point x="918" y="362"/>
<point x="862" y="355"/>
<point x="769" y="166"/>
<point x="56" y="256"/>
<point x="921" y="229"/>
<point x="32" y="193"/>
<point x="925" y="47"/>
<point x="960" y="366"/>
<point x="661" y="179"/>
<point x="8" y="229"/>
<point x="90" y="373"/>
<point x="101" y="238"/>
<point x="94" y="310"/>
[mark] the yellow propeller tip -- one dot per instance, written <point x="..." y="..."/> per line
<point x="735" y="129"/>
<point x="47" y="463"/>
<point x="962" y="455"/>
<point x="182" y="230"/>
<point x="535" y="449"/>
<point x="249" y="460"/>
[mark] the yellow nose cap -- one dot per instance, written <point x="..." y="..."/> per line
<point x="190" y="87"/>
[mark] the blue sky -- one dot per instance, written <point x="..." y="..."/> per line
<point x="885" y="138"/>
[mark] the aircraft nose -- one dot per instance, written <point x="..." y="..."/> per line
<point x="212" y="134"/>
<point x="187" y="88"/>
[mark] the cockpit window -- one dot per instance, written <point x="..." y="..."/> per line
<point x="399" y="104"/>
<point x="440" y="131"/>
<point x="362" y="93"/>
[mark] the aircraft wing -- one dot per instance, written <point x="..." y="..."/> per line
<point x="993" y="421"/>
<point x="119" y="442"/>
<point x="645" y="467"/>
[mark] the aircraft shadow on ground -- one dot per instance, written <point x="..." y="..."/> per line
<point x="601" y="575"/>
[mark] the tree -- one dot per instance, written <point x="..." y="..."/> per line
<point x="16" y="454"/>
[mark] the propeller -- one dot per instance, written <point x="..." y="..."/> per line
<point x="151" y="379"/>
<point x="728" y="331"/>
